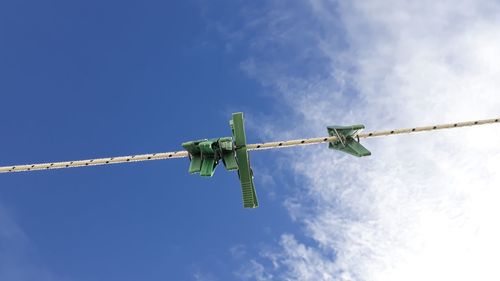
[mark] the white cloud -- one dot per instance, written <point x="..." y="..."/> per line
<point x="422" y="207"/>
<point x="238" y="251"/>
<point x="253" y="270"/>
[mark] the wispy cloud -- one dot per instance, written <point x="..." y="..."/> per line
<point x="423" y="207"/>
<point x="253" y="270"/>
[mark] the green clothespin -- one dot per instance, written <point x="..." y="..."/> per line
<point x="209" y="157"/>
<point x="195" y="159"/>
<point x="244" y="171"/>
<point x="345" y="140"/>
<point x="228" y="152"/>
<point x="205" y="154"/>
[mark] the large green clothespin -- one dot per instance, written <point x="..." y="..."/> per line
<point x="345" y="140"/>
<point x="245" y="172"/>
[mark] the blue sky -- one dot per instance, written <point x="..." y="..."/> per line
<point x="106" y="78"/>
<point x="91" y="79"/>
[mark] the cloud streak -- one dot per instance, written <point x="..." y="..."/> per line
<point x="423" y="207"/>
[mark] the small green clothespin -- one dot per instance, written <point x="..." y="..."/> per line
<point x="195" y="159"/>
<point x="227" y="150"/>
<point x="345" y="140"/>
<point x="205" y="155"/>
<point x="209" y="157"/>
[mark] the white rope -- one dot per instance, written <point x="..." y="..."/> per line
<point x="257" y="146"/>
<point x="94" y="162"/>
<point x="279" y="144"/>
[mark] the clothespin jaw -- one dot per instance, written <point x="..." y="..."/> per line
<point x="345" y="140"/>
<point x="245" y="172"/>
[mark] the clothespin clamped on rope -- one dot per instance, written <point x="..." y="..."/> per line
<point x="345" y="140"/>
<point x="205" y="154"/>
<point x="245" y="172"/>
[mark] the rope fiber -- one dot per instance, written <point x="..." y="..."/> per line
<point x="257" y="146"/>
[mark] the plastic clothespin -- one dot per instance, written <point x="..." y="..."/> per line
<point x="209" y="157"/>
<point x="345" y="140"/>
<point x="205" y="155"/>
<point x="195" y="159"/>
<point x="245" y="172"/>
<point x="228" y="152"/>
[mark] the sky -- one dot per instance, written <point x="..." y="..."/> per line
<point x="107" y="78"/>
